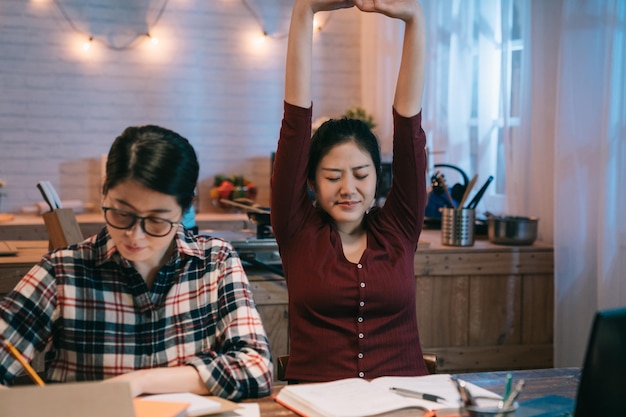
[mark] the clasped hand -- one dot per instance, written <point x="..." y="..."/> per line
<point x="399" y="9"/>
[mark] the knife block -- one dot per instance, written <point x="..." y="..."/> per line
<point x="62" y="227"/>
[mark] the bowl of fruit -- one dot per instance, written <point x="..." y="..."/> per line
<point x="232" y="188"/>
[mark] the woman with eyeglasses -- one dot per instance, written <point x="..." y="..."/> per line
<point x="144" y="301"/>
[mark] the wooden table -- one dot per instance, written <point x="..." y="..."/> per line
<point x="539" y="382"/>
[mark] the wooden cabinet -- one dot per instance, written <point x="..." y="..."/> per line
<point x="270" y="296"/>
<point x="486" y="307"/>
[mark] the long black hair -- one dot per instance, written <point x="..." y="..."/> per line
<point x="334" y="132"/>
<point x="158" y="158"/>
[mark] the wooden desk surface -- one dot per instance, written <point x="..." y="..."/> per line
<point x="539" y="382"/>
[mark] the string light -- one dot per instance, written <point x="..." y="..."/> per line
<point x="87" y="44"/>
<point x="320" y="24"/>
<point x="132" y="43"/>
<point x="141" y="36"/>
<point x="317" y="23"/>
<point x="153" y="40"/>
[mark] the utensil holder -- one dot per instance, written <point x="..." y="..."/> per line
<point x="491" y="410"/>
<point x="63" y="229"/>
<point x="457" y="226"/>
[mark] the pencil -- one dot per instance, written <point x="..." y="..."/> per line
<point x="29" y="369"/>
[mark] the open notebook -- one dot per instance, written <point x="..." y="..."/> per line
<point x="601" y="388"/>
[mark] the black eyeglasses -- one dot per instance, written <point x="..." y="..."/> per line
<point x="124" y="220"/>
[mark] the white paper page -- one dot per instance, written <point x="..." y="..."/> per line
<point x="198" y="404"/>
<point x="246" y="410"/>
<point x="353" y="398"/>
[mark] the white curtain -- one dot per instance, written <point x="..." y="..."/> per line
<point x="448" y="92"/>
<point x="589" y="169"/>
<point x="568" y="164"/>
<point x="463" y="114"/>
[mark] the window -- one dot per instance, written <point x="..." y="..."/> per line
<point x="474" y="84"/>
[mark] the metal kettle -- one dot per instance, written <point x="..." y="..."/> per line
<point x="439" y="194"/>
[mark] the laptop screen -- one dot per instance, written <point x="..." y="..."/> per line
<point x="603" y="377"/>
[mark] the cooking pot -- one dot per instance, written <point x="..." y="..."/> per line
<point x="512" y="230"/>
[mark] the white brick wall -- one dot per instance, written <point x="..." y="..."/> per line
<point x="60" y="108"/>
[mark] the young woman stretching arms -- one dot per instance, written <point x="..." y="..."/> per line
<point x="349" y="266"/>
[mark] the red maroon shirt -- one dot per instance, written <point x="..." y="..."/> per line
<point x="346" y="319"/>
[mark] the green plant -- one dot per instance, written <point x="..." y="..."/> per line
<point x="360" y="114"/>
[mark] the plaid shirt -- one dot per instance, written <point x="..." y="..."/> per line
<point x="96" y="317"/>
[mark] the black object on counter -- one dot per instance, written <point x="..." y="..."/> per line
<point x="472" y="204"/>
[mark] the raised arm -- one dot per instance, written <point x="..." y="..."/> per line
<point x="410" y="85"/>
<point x="299" y="48"/>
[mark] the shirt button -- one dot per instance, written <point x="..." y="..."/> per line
<point x="362" y="303"/>
<point x="360" y="319"/>
<point x="362" y="285"/>
<point x="361" y="335"/>
<point x="361" y="374"/>
<point x="359" y="266"/>
<point x="360" y="355"/>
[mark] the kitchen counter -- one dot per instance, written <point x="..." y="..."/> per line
<point x="31" y="226"/>
<point x="13" y="267"/>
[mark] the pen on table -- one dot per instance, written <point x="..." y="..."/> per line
<point x="417" y="394"/>
<point x="29" y="369"/>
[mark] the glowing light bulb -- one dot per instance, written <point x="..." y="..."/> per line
<point x="87" y="44"/>
<point x="317" y="25"/>
<point x="153" y="40"/>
